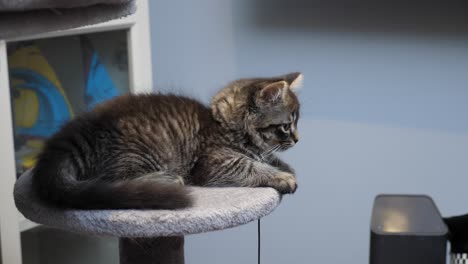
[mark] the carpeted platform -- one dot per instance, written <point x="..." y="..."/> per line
<point x="214" y="209"/>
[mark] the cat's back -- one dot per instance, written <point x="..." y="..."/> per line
<point x="177" y="115"/>
<point x="168" y="123"/>
<point x="165" y="128"/>
<point x="153" y="104"/>
<point x="168" y="126"/>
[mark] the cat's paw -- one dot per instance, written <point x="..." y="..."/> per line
<point x="284" y="182"/>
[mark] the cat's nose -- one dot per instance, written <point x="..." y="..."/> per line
<point x="295" y="137"/>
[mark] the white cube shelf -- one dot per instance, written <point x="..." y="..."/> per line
<point x="139" y="71"/>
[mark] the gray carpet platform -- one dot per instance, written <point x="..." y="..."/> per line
<point x="153" y="236"/>
<point x="19" y="18"/>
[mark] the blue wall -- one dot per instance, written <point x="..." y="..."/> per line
<point x="384" y="111"/>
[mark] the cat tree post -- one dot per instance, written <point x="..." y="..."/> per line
<point x="167" y="250"/>
<point x="153" y="236"/>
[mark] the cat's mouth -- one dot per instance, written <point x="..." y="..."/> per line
<point x="286" y="145"/>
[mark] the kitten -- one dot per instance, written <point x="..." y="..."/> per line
<point x="137" y="151"/>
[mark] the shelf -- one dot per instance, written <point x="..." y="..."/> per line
<point x="122" y="47"/>
<point x="25" y="224"/>
<point x="116" y="24"/>
<point x="49" y="85"/>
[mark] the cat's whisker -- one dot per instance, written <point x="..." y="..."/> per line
<point x="269" y="151"/>
<point x="266" y="152"/>
<point x="277" y="148"/>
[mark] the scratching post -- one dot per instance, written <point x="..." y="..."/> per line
<point x="153" y="236"/>
<point x="159" y="250"/>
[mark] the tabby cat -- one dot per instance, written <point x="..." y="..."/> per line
<point x="138" y="151"/>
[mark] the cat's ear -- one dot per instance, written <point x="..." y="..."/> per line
<point x="272" y="93"/>
<point x="294" y="80"/>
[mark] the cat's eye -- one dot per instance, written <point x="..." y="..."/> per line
<point x="285" y="127"/>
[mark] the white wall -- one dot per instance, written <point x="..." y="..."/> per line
<point x="384" y="111"/>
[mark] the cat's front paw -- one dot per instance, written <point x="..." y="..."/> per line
<point x="284" y="182"/>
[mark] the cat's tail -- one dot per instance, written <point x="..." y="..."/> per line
<point x="65" y="190"/>
<point x="127" y="194"/>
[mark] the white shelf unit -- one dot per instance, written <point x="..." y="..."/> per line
<point x="12" y="223"/>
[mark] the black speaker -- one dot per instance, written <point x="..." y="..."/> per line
<point x="407" y="229"/>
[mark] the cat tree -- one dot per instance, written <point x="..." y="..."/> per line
<point x="153" y="236"/>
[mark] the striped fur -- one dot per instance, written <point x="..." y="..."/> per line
<point x="138" y="151"/>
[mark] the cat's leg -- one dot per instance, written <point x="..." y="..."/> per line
<point x="284" y="182"/>
<point x="225" y="167"/>
<point x="278" y="163"/>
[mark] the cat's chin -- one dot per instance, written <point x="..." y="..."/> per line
<point x="285" y="147"/>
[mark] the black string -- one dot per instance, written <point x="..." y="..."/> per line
<point x="258" y="241"/>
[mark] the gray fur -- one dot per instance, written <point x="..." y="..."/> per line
<point x="138" y="151"/>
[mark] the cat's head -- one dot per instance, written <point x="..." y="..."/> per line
<point x="266" y="109"/>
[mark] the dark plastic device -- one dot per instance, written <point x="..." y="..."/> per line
<point x="458" y="237"/>
<point x="407" y="229"/>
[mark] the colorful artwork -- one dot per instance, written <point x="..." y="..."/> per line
<point x="40" y="105"/>
<point x="99" y="85"/>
